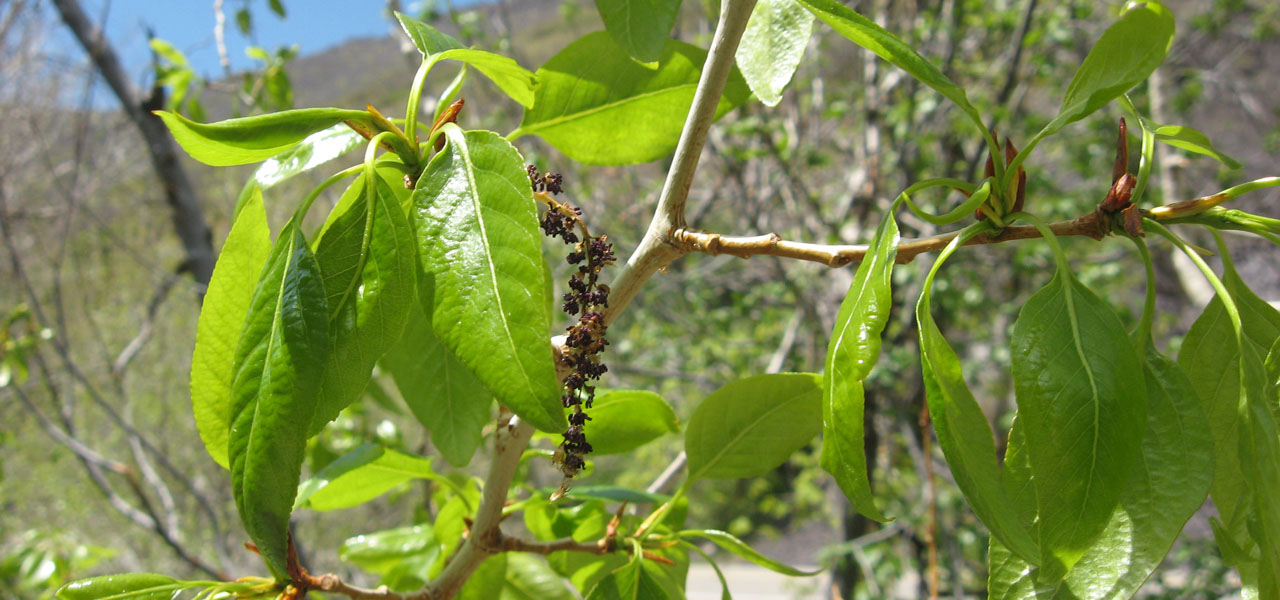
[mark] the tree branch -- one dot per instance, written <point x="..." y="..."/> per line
<point x="656" y="249"/>
<point x="1092" y="225"/>
<point x="187" y="215"/>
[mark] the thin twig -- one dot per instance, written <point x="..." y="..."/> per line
<point x="840" y="255"/>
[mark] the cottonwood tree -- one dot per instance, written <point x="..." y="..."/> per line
<point x="431" y="267"/>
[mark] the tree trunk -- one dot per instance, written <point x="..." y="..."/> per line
<point x="180" y="195"/>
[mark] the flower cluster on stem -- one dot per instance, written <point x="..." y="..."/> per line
<point x="586" y="300"/>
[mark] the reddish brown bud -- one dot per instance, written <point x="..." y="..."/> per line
<point x="1119" y="194"/>
<point x="1132" y="221"/>
<point x="1121" y="165"/>
<point x="450" y="115"/>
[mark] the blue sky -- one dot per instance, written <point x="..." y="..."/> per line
<point x="188" y="24"/>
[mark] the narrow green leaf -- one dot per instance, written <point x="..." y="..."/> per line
<point x="440" y="391"/>
<point x="772" y="46"/>
<point x="1126" y="54"/>
<point x="1192" y="140"/>
<point x="133" y="586"/>
<point x="1079" y="392"/>
<point x="851" y="353"/>
<point x="962" y="428"/>
<point x="426" y="38"/>
<point x="313" y="151"/>
<point x="514" y="80"/>
<point x="360" y="476"/>
<point x="732" y="544"/>
<point x="482" y="280"/>
<point x="277" y="7"/>
<point x="487" y="581"/>
<point x="623" y="420"/>
<point x="281" y="354"/>
<point x="368" y="259"/>
<point x="866" y="33"/>
<point x="599" y="107"/>
<point x="221" y="317"/>
<point x="750" y="426"/>
<point x="251" y="139"/>
<point x="639" y="27"/>
<point x="1168" y="485"/>
<point x="435" y="45"/>
<point x="615" y="494"/>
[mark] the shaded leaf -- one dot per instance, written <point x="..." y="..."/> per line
<point x="962" y="428"/>
<point x="639" y="27"/>
<point x="1169" y="484"/>
<point x="1126" y="54"/>
<point x="750" y="426"/>
<point x="251" y="139"/>
<point x="736" y="546"/>
<point x="395" y="554"/>
<point x="772" y="46"/>
<point x="360" y="476"/>
<point x="278" y="364"/>
<point x="222" y="315"/>
<point x="481" y="264"/>
<point x="529" y="577"/>
<point x="367" y="255"/>
<point x="1192" y="140"/>
<point x="598" y="107"/>
<point x="441" y="391"/>
<point x="1077" y="379"/>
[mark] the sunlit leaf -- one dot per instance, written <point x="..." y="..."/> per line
<point x="640" y="27"/>
<point x="221" y="317"/>
<point x="772" y="46"/>
<point x="481" y="259"/>
<point x="851" y="353"/>
<point x="251" y="139"/>
<point x="599" y="107"/>
<point x="1192" y="140"/>
<point x="360" y="476"/>
<point x="623" y="420"/>
<point x="732" y="544"/>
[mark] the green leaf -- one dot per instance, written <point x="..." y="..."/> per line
<point x="622" y="584"/>
<point x="623" y="420"/>
<point x="426" y="38"/>
<point x="1077" y="378"/>
<point x="750" y="426"/>
<point x="244" y="21"/>
<point x="851" y="353"/>
<point x="482" y="280"/>
<point x="639" y="27"/>
<point x="134" y="586"/>
<point x="1126" y="54"/>
<point x="383" y="551"/>
<point x="251" y="139"/>
<point x="221" y="317"/>
<point x="529" y="577"/>
<point x="599" y="107"/>
<point x="515" y="81"/>
<point x="1193" y="141"/>
<point x="442" y="393"/>
<point x="866" y="33"/>
<point x="313" y="151"/>
<point x="548" y="521"/>
<point x="278" y="365"/>
<point x="1210" y="357"/>
<point x="360" y="476"/>
<point x="962" y="428"/>
<point x="1168" y="485"/>
<point x="772" y="46"/>
<point x="615" y="494"/>
<point x="732" y="544"/>
<point x="368" y="258"/>
<point x="487" y="581"/>
<point x="277" y="7"/>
